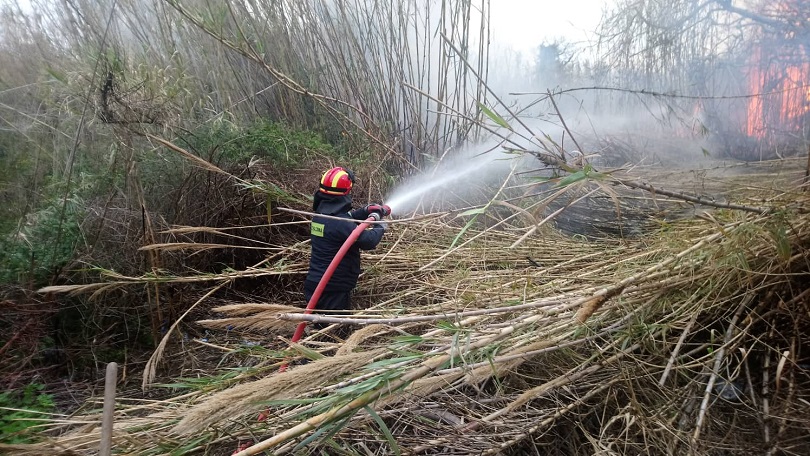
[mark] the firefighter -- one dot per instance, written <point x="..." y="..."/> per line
<point x="328" y="236"/>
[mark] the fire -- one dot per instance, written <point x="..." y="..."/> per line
<point x="782" y="95"/>
<point x="779" y="81"/>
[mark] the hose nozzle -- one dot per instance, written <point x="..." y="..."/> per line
<point x="383" y="210"/>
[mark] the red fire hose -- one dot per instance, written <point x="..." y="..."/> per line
<point x="316" y="295"/>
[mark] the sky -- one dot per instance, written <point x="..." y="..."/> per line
<point x="525" y="24"/>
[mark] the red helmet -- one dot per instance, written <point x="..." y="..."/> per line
<point x="337" y="181"/>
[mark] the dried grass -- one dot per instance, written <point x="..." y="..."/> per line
<point x="290" y="384"/>
<point x="252" y="317"/>
<point x="360" y="336"/>
<point x="622" y="346"/>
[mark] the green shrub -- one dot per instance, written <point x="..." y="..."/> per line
<point x="38" y="249"/>
<point x="274" y="142"/>
<point x="20" y="411"/>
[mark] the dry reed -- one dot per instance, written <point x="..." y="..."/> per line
<point x="487" y="349"/>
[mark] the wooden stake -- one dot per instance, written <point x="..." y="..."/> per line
<point x="109" y="408"/>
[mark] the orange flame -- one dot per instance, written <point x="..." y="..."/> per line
<point x="782" y="98"/>
<point x="779" y="83"/>
<point x="756" y="118"/>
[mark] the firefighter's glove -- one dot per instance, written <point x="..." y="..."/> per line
<point x="381" y="209"/>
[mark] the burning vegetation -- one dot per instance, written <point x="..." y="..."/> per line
<point x="780" y="76"/>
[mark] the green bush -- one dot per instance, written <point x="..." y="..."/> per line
<point x="273" y="142"/>
<point x="38" y="249"/>
<point x="29" y="408"/>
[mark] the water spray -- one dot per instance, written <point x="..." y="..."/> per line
<point x="405" y="197"/>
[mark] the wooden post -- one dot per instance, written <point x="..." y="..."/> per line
<point x="807" y="171"/>
<point x="109" y="408"/>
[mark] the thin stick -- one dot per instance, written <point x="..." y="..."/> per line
<point x="718" y="360"/>
<point x="320" y="318"/>
<point x="562" y="120"/>
<point x="690" y="198"/>
<point x="109" y="409"/>
<point x="766" y="412"/>
<point x="344" y="219"/>
<point x="677" y="349"/>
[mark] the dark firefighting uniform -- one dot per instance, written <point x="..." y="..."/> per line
<point x="327" y="237"/>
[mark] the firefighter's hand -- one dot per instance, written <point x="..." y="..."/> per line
<point x="381" y="209"/>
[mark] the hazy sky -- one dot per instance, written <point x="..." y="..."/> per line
<point x="524" y="24"/>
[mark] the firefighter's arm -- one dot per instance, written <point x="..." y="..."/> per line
<point x="360" y="213"/>
<point x="371" y="236"/>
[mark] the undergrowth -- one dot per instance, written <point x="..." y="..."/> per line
<point x="21" y="411"/>
<point x="272" y="142"/>
<point x="45" y="243"/>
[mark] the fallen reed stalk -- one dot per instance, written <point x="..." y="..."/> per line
<point x="609" y="340"/>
